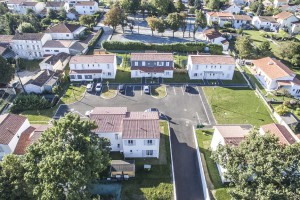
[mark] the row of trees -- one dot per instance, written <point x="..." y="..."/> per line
<point x="61" y="165"/>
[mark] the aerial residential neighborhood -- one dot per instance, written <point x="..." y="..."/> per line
<point x="150" y="99"/>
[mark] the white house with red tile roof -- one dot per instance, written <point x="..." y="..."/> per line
<point x="228" y="135"/>
<point x="152" y="65"/>
<point x="21" y="6"/>
<point x="86" y="7"/>
<point x="286" y="20"/>
<point x="89" y="67"/>
<point x="215" y="37"/>
<point x="273" y="74"/>
<point x="135" y="134"/>
<point x="15" y="132"/>
<point x="279" y="131"/>
<point x="279" y="3"/>
<point x="66" y="31"/>
<point x="218" y="67"/>
<point x="265" y="22"/>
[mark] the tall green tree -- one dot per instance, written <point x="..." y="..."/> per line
<point x="145" y="6"/>
<point x="52" y="14"/>
<point x="200" y="19"/>
<point x="12" y="183"/>
<point x="197" y="4"/>
<point x="9" y="23"/>
<point x="152" y="23"/>
<point x="114" y="17"/>
<point x="213" y="4"/>
<point x="244" y="47"/>
<point x="179" y="6"/>
<point x="62" y="14"/>
<point x="261" y="168"/>
<point x="161" y="6"/>
<point x="130" y="6"/>
<point x="7" y="71"/>
<point x="265" y="48"/>
<point x="26" y="27"/>
<point x="160" y="25"/>
<point x="183" y="22"/>
<point x="66" y="160"/>
<point x="173" y="21"/>
<point x="87" y="20"/>
<point x="3" y="9"/>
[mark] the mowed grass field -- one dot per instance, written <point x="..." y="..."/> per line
<point x="237" y="106"/>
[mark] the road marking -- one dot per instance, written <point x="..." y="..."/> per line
<point x="198" y="118"/>
<point x="204" y="109"/>
<point x="174" y="90"/>
<point x="182" y="90"/>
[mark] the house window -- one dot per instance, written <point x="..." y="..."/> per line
<point x="143" y="63"/>
<point x="130" y="142"/>
<point x="72" y="77"/>
<point x="136" y="63"/>
<point x="298" y="91"/>
<point x="149" y="142"/>
<point x="160" y="63"/>
<point x="56" y="50"/>
<point x="79" y="76"/>
<point x="47" y="50"/>
<point x="167" y="73"/>
<point x="67" y="35"/>
<point x="118" y="145"/>
<point x="107" y="66"/>
<point x="108" y="73"/>
<point x="116" y="136"/>
<point x="167" y="64"/>
<point x="88" y="76"/>
<point x="130" y="151"/>
<point x="149" y="152"/>
<point x="195" y="74"/>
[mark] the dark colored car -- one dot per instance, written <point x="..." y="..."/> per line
<point x="122" y="89"/>
<point x="188" y="88"/>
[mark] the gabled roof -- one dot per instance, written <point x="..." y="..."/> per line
<point x="212" y="59"/>
<point x="15" y="1"/>
<point x="58" y="43"/>
<point x="140" y="128"/>
<point x="29" y="3"/>
<point x="285" y="137"/>
<point x="283" y="15"/>
<point x="220" y="14"/>
<point x="54" y="4"/>
<point x="53" y="59"/>
<point x="62" y="27"/>
<point x="122" y="165"/>
<point x="242" y="17"/>
<point x="41" y="78"/>
<point x="212" y="33"/>
<point x="267" y="19"/>
<point x="152" y="57"/>
<point x="85" y="3"/>
<point x="28" y="36"/>
<point x="273" y="68"/>
<point x="233" y="134"/>
<point x="104" y="58"/>
<point x="9" y="126"/>
<point x="6" y="38"/>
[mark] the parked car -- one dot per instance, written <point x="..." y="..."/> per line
<point x="89" y="87"/>
<point x="146" y="89"/>
<point x="98" y="87"/>
<point x="188" y="88"/>
<point x="153" y="110"/>
<point x="122" y="89"/>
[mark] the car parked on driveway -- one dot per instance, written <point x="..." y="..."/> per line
<point x="146" y="89"/>
<point x="89" y="87"/>
<point x="188" y="88"/>
<point x="98" y="87"/>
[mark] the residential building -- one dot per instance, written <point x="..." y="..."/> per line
<point x="16" y="134"/>
<point x="56" y="62"/>
<point x="135" y="134"/>
<point x="286" y="20"/>
<point x="273" y="75"/>
<point x="55" y="5"/>
<point x="21" y="6"/>
<point x="279" y="3"/>
<point x="295" y="28"/>
<point x="72" y="47"/>
<point x="90" y="67"/>
<point x="240" y="21"/>
<point x="65" y="31"/>
<point x="215" y="37"/>
<point x="265" y="22"/>
<point x="221" y="18"/>
<point x="279" y="131"/>
<point x="231" y="8"/>
<point x="152" y="65"/>
<point x="228" y="135"/>
<point x="29" y="45"/>
<point x="219" y="67"/>
<point x="43" y="81"/>
<point x="86" y="7"/>
<point x="5" y="50"/>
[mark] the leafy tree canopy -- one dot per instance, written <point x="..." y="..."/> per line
<point x="244" y="47"/>
<point x="7" y="71"/>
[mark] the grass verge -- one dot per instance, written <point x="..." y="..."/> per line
<point x="155" y="184"/>
<point x="158" y="92"/>
<point x="73" y="94"/>
<point x="237" y="106"/>
<point x="237" y="79"/>
<point x="109" y="93"/>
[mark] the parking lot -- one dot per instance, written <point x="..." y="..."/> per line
<point x="183" y="110"/>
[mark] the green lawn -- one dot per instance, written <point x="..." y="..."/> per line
<point x="73" y="94"/>
<point x="237" y="78"/>
<point x="204" y="138"/>
<point x="40" y="116"/>
<point x="29" y="65"/>
<point x="181" y="77"/>
<point x="108" y="94"/>
<point x="237" y="106"/>
<point x="123" y="76"/>
<point x="180" y="61"/>
<point x="158" y="91"/>
<point x="155" y="184"/>
<point x="254" y="80"/>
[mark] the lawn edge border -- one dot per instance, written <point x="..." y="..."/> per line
<point x="172" y="165"/>
<point x="201" y="170"/>
<point x="109" y="98"/>
<point x="75" y="101"/>
<point x="161" y="97"/>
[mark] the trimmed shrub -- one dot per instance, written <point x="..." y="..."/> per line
<point x="29" y="102"/>
<point x="215" y="49"/>
<point x="96" y="37"/>
<point x="174" y="47"/>
<point x="282" y="110"/>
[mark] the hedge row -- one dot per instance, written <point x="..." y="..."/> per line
<point x="96" y="37"/>
<point x="29" y="102"/>
<point x="174" y="47"/>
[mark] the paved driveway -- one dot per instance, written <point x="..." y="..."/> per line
<point x="183" y="110"/>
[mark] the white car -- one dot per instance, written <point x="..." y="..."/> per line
<point x="98" y="87"/>
<point x="146" y="89"/>
<point x="89" y="87"/>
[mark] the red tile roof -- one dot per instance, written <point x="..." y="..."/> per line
<point x="86" y="71"/>
<point x="9" y="126"/>
<point x="212" y="59"/>
<point x="285" y="137"/>
<point x="140" y="129"/>
<point x="109" y="111"/>
<point x="104" y="58"/>
<point x="220" y="14"/>
<point x="273" y="68"/>
<point x="233" y="134"/>
<point x="283" y="15"/>
<point x="62" y="27"/>
<point x="152" y="69"/>
<point x="85" y="3"/>
<point x="212" y="33"/>
<point x="152" y="57"/>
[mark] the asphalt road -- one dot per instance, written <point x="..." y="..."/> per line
<point x="183" y="110"/>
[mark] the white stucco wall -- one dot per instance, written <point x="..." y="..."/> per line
<point x="115" y="140"/>
<point x="139" y="147"/>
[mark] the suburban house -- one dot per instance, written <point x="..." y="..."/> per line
<point x="152" y="65"/>
<point x="86" y="7"/>
<point x="16" y="134"/>
<point x="295" y="27"/>
<point x="231" y="8"/>
<point x="228" y="135"/>
<point x="265" y="22"/>
<point x="236" y="21"/>
<point x="43" y="81"/>
<point x="122" y="169"/>
<point x="280" y="131"/>
<point x="135" y="134"/>
<point x="29" y="45"/>
<point x="56" y="62"/>
<point x="55" y="5"/>
<point x="5" y="50"/>
<point x="89" y="67"/>
<point x="65" y="31"/>
<point x="273" y="75"/>
<point x="71" y="47"/>
<point x="220" y="67"/>
<point x="21" y="6"/>
<point x="241" y="20"/>
<point x="279" y="3"/>
<point x="285" y="20"/>
<point x="215" y="37"/>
